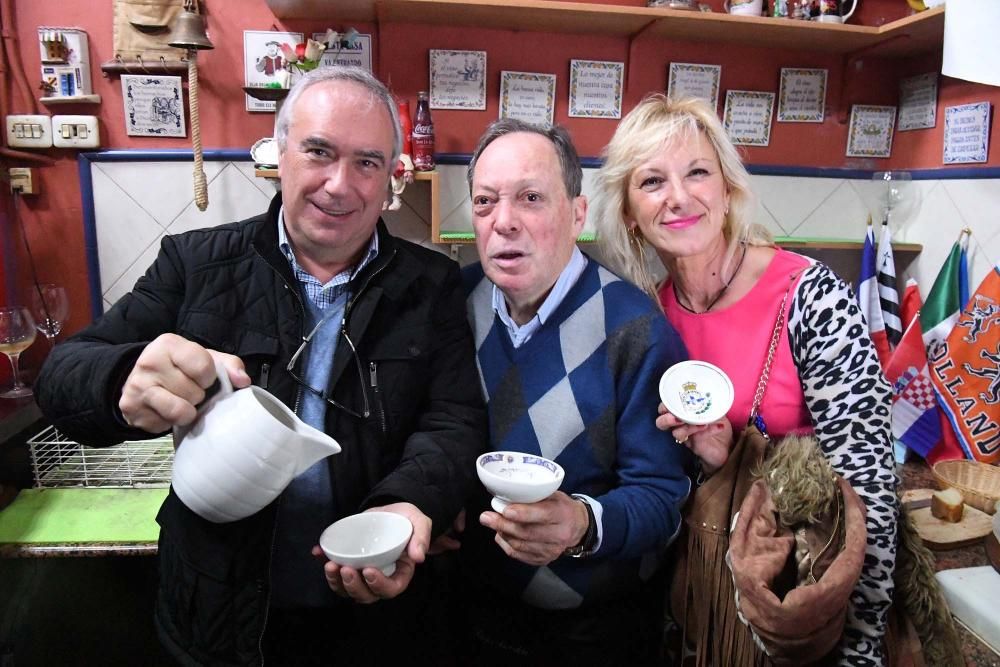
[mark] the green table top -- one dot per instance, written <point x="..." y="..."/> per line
<point x="81" y="516"/>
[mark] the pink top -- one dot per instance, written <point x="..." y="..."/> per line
<point x="736" y="339"/>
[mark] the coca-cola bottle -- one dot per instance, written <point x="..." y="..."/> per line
<point x="407" y="125"/>
<point x="423" y="135"/>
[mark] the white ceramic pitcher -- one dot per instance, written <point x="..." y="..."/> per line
<point x="242" y="450"/>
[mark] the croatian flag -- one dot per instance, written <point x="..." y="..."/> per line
<point x="869" y="300"/>
<point x="915" y="420"/>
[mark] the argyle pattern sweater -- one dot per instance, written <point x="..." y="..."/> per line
<point x="583" y="391"/>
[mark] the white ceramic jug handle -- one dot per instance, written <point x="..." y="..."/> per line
<point x="725" y="6"/>
<point x="225" y="386"/>
<point x="854" y="5"/>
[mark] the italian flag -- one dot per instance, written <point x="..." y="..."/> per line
<point x="937" y="319"/>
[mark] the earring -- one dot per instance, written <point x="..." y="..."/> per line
<point x="634" y="238"/>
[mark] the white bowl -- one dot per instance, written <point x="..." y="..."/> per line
<point x="696" y="392"/>
<point x="516" y="477"/>
<point x="369" y="539"/>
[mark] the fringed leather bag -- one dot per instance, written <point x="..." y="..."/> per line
<point x="703" y="591"/>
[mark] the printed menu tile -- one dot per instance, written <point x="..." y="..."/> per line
<point x="528" y="96"/>
<point x="870" y="131"/>
<point x="595" y="89"/>
<point x="747" y="117"/>
<point x="802" y="95"/>
<point x="458" y="79"/>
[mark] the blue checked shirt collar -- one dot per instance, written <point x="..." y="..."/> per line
<point x="319" y="294"/>
<point x="521" y="334"/>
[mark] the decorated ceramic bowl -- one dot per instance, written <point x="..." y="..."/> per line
<point x="696" y="392"/>
<point x="516" y="477"/>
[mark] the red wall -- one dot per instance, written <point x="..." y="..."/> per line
<point x="53" y="220"/>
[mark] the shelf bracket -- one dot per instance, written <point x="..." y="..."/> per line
<point x="631" y="50"/>
<point x="851" y="60"/>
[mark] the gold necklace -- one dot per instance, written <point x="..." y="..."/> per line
<point x="725" y="286"/>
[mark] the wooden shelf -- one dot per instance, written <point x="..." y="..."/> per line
<point x="432" y="178"/>
<point x="908" y="36"/>
<point x="76" y="99"/>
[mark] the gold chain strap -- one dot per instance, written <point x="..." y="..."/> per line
<point x="758" y="396"/>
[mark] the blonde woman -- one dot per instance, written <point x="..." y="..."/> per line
<point x="673" y="189"/>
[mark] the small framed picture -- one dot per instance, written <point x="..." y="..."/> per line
<point x="747" y="117"/>
<point x="154" y="105"/>
<point x="356" y="51"/>
<point x="458" y="79"/>
<point x="870" y="131"/>
<point x="694" y="80"/>
<point x="918" y="102"/>
<point x="966" y="133"/>
<point x="595" y="88"/>
<point x="801" y="95"/>
<point x="528" y="96"/>
<point x="263" y="62"/>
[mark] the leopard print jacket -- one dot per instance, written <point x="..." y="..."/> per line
<point x="849" y="401"/>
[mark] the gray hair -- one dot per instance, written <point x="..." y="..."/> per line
<point x="656" y="124"/>
<point x="356" y="75"/>
<point x="572" y="172"/>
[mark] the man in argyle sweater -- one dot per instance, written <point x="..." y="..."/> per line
<point x="570" y="358"/>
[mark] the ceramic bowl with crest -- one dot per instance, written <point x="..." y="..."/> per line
<point x="696" y="392"/>
<point x="517" y="477"/>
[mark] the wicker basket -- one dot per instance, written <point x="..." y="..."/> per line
<point x="978" y="482"/>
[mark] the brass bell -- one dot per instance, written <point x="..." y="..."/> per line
<point x="188" y="32"/>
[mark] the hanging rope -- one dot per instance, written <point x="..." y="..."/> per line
<point x="200" y="184"/>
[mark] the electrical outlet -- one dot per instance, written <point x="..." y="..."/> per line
<point x="27" y="131"/>
<point x="22" y="179"/>
<point x="75" y="132"/>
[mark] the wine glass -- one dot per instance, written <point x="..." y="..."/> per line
<point x="17" y="332"/>
<point x="50" y="306"/>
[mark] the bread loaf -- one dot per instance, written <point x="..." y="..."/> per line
<point x="947" y="505"/>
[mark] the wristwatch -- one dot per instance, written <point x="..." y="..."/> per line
<point x="586" y="545"/>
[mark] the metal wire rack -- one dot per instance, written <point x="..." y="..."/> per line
<point x="58" y="461"/>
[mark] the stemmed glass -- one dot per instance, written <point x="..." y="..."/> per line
<point x="17" y="332"/>
<point x="50" y="307"/>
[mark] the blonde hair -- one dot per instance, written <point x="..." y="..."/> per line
<point x="656" y="124"/>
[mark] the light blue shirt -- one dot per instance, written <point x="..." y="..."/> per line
<point x="519" y="335"/>
<point x="307" y="504"/>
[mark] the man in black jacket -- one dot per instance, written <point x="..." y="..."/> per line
<point x="364" y="335"/>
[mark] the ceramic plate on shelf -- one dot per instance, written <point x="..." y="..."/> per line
<point x="265" y="152"/>
<point x="696" y="392"/>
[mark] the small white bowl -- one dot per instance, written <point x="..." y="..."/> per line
<point x="516" y="477"/>
<point x="696" y="392"/>
<point x="369" y="539"/>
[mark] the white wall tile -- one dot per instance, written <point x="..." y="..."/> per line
<point x="123" y="284"/>
<point x="124" y="229"/>
<point x="791" y="200"/>
<point x="174" y="183"/>
<point x="128" y="211"/>
<point x="841" y="215"/>
<point x="232" y="196"/>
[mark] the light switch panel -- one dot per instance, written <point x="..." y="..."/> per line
<point x="29" y="131"/>
<point x="75" y="132"/>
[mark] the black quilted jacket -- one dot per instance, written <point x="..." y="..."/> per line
<point x="229" y="288"/>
